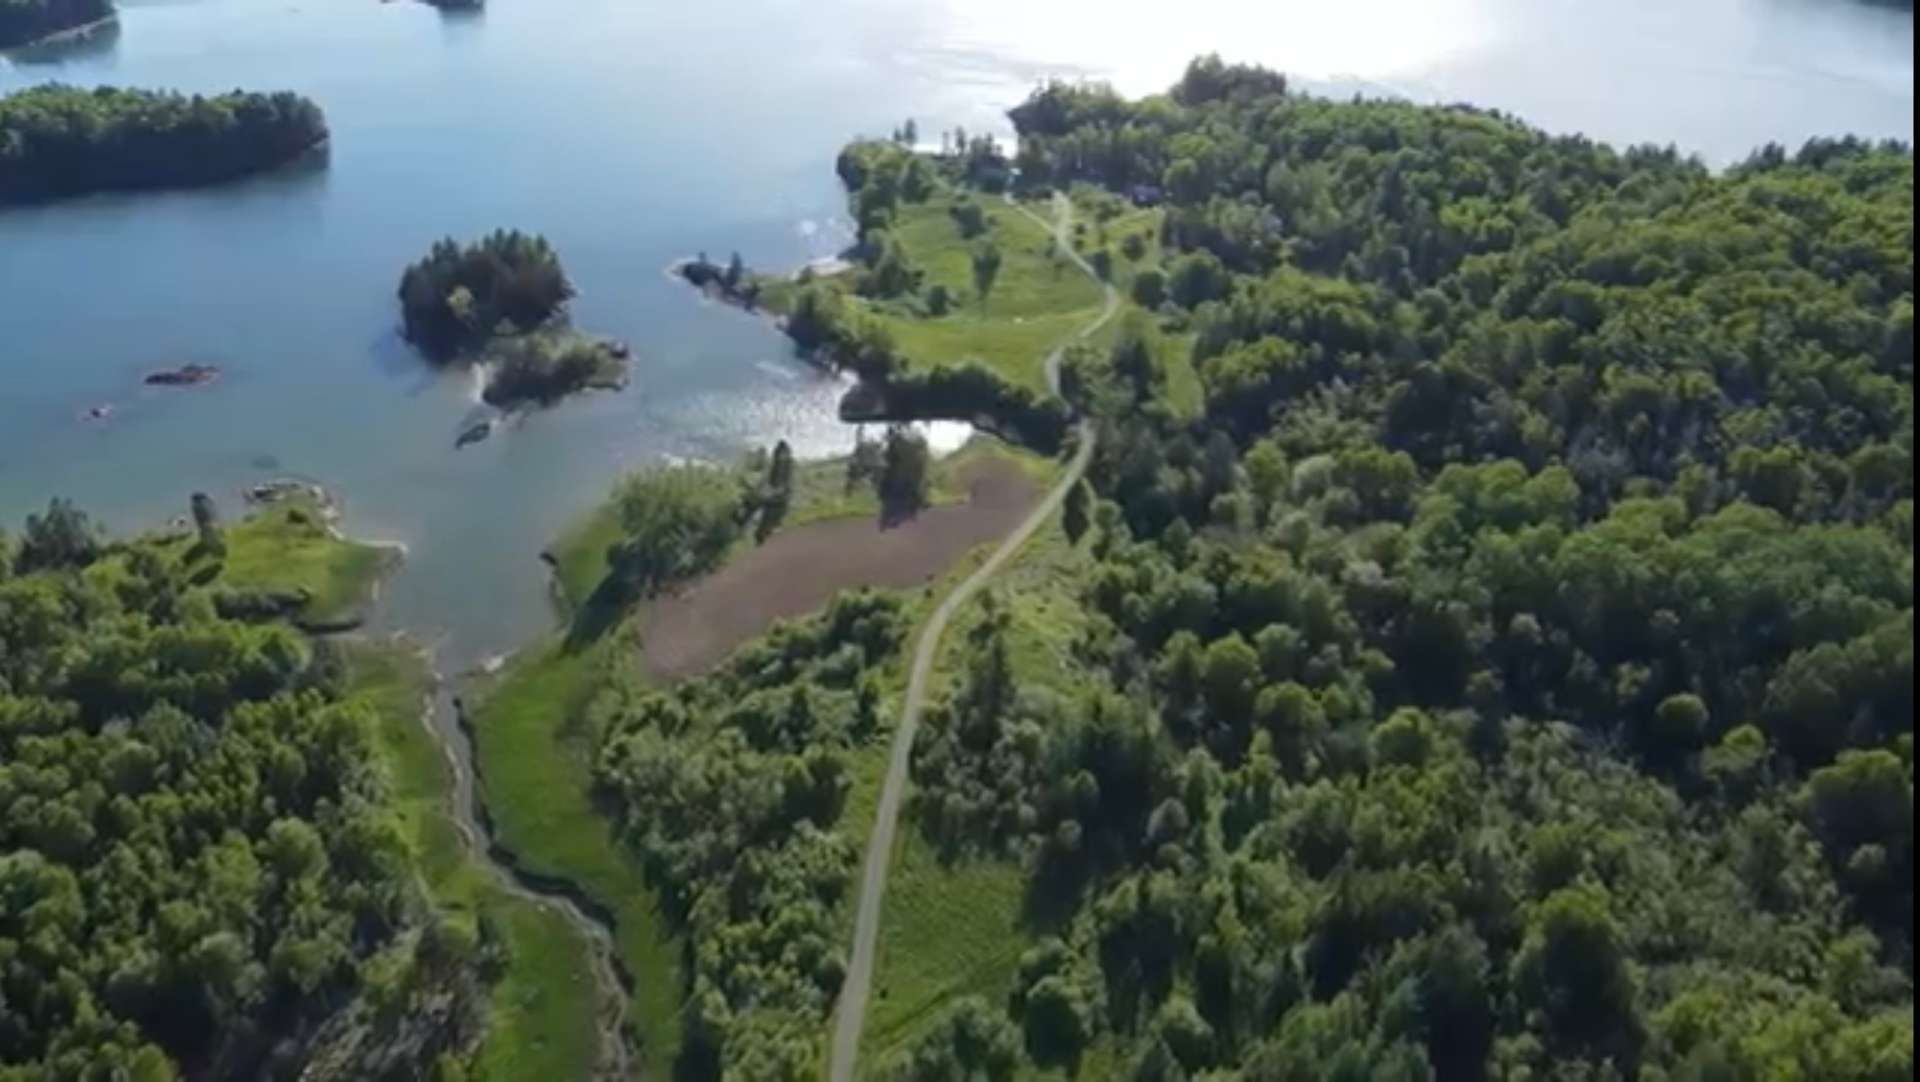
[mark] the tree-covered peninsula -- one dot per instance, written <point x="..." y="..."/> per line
<point x="23" y="22"/>
<point x="58" y="141"/>
<point x="203" y="872"/>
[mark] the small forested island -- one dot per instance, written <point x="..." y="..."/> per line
<point x="60" y="141"/>
<point x="23" y="22"/>
<point x="461" y="296"/>
<point x="501" y="302"/>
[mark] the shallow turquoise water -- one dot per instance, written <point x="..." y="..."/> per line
<point x="632" y="133"/>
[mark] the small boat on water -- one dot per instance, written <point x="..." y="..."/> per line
<point x="474" y="433"/>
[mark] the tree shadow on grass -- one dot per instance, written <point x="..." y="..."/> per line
<point x="600" y="613"/>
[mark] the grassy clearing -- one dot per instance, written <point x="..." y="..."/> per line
<point x="1038" y="299"/>
<point x="288" y="546"/>
<point x="1016" y="348"/>
<point x="1034" y="278"/>
<point x="950" y="931"/>
<point x="541" y="1021"/>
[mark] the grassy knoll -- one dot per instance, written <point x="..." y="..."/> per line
<point x="1034" y="278"/>
<point x="1103" y="220"/>
<point x="542" y="1011"/>
<point x="1038" y="299"/>
<point x="288" y="546"/>
<point x="1016" y="348"/>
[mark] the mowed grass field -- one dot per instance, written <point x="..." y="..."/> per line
<point x="1034" y="278"/>
<point x="1038" y="299"/>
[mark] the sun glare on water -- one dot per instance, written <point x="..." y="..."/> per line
<point x="1142" y="47"/>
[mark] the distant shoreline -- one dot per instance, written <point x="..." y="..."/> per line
<point x="70" y="33"/>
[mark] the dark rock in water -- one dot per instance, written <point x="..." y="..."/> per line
<point x="187" y="375"/>
<point x="474" y="433"/>
<point x="619" y="348"/>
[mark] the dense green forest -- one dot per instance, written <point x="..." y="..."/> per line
<point x="731" y="789"/>
<point x="1510" y="673"/>
<point x="200" y="874"/>
<point x="459" y="297"/>
<point x="25" y="21"/>
<point x="62" y="141"/>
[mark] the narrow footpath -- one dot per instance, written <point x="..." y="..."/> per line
<point x="851" y="1015"/>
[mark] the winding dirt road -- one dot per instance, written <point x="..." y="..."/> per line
<point x="851" y="1015"/>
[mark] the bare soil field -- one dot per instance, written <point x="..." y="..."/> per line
<point x="799" y="570"/>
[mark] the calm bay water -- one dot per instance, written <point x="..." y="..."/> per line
<point x="632" y="133"/>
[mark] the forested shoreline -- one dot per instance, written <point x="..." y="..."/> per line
<point x="201" y="869"/>
<point x="59" y="141"/>
<point x="1500" y="666"/>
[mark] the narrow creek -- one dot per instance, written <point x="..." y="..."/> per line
<point x="446" y="719"/>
